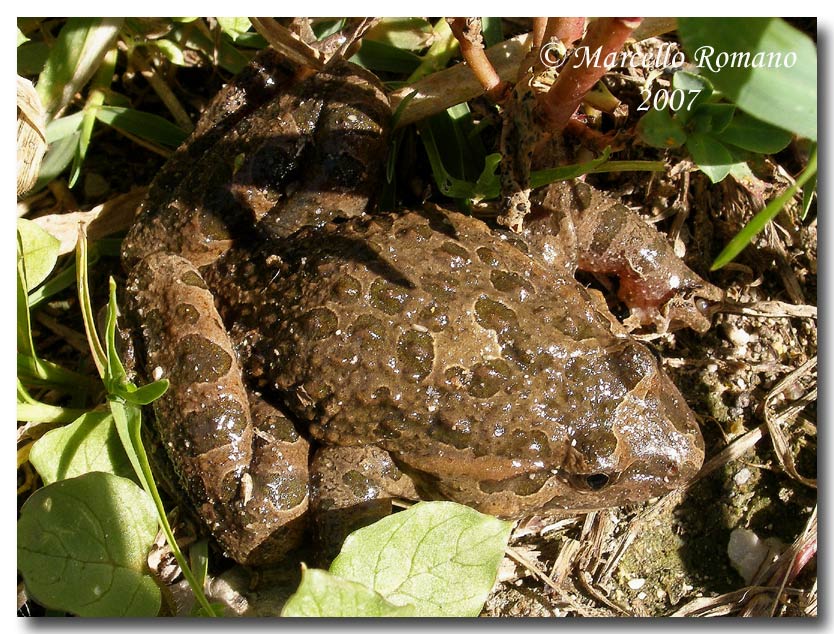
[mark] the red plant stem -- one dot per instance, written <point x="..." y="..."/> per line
<point x="468" y="33"/>
<point x="566" y="29"/>
<point x="604" y="36"/>
<point x="539" y="28"/>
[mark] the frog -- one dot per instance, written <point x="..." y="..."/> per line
<point x="324" y="359"/>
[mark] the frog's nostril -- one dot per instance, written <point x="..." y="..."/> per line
<point x="703" y="306"/>
<point x="596" y="481"/>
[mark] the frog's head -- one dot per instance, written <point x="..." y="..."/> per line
<point x="635" y="437"/>
<point x="609" y="429"/>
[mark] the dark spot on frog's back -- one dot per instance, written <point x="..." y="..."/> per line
<point x="346" y="289"/>
<point x="203" y="425"/>
<point x="187" y="313"/>
<point x="199" y="360"/>
<point x="320" y="323"/>
<point x="632" y="362"/>
<point x="388" y="297"/>
<point x="191" y="278"/>
<point x="495" y="315"/>
<point x="490" y="377"/>
<point x="512" y="283"/>
<point x="415" y="353"/>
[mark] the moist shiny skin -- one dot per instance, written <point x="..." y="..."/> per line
<point x="426" y="354"/>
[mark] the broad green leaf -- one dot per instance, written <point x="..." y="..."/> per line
<point x="757" y="136"/>
<point x="38" y="250"/>
<point x="379" y="56"/>
<point x="409" y="34"/>
<point x="764" y="65"/>
<point x="58" y="129"/>
<point x="711" y="118"/>
<point x="492" y="31"/>
<point x="91" y="443"/>
<point x="75" y="56"/>
<point x="439" y="556"/>
<point x="82" y="546"/>
<point x="697" y="91"/>
<point x="31" y="58"/>
<point x="56" y="159"/>
<point x="234" y="27"/>
<point x="171" y="50"/>
<point x="712" y="157"/>
<point x="444" y="47"/>
<point x="324" y="594"/>
<point x="142" y="124"/>
<point x="226" y="53"/>
<point x="658" y="129"/>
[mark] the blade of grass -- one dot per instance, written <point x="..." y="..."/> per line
<point x="95" y="99"/>
<point x="758" y="222"/>
<point x="75" y="57"/>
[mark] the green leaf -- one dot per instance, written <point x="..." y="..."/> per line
<point x="142" y="124"/>
<point x="489" y="180"/>
<point x="409" y="34"/>
<point x="31" y="58"/>
<point x="171" y="50"/>
<point x="224" y="51"/>
<point x="234" y="27"/>
<point x="754" y="135"/>
<point x="712" y="157"/>
<point x="324" y="594"/>
<point x="56" y="159"/>
<point x="492" y="31"/>
<point x="441" y="557"/>
<point x="58" y="129"/>
<point x="145" y="394"/>
<point x="82" y="546"/>
<point x="91" y="443"/>
<point x="764" y="65"/>
<point x="689" y="83"/>
<point x="658" y="129"/>
<point x="21" y="39"/>
<point x="711" y="118"/>
<point x="38" y="251"/>
<point x="379" y="56"/>
<point x="78" y="50"/>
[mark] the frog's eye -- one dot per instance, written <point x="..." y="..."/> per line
<point x="591" y="482"/>
<point x="596" y="481"/>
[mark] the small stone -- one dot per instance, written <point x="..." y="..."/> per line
<point x="742" y="477"/>
<point x="636" y="584"/>
<point x="748" y="553"/>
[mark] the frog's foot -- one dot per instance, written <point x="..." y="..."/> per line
<point x="238" y="467"/>
<point x="609" y="238"/>
<point x="352" y="487"/>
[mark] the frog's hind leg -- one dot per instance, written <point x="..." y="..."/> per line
<point x="243" y="469"/>
<point x="352" y="487"/>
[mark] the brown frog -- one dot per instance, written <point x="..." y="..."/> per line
<point x="419" y="355"/>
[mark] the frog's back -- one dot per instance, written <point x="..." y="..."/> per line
<point x="430" y="336"/>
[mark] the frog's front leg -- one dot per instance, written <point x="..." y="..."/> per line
<point x="610" y="238"/>
<point x="241" y="462"/>
<point x="352" y="487"/>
